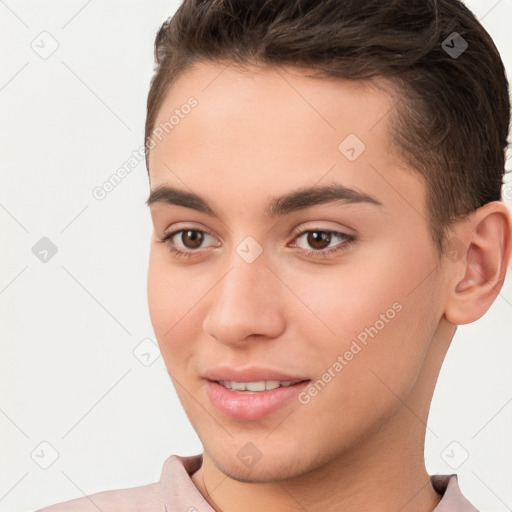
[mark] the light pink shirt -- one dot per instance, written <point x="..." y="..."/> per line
<point x="175" y="492"/>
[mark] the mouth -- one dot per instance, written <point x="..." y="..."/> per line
<point x="257" y="386"/>
<point x="252" y="400"/>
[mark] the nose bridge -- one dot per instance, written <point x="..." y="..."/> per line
<point x="245" y="301"/>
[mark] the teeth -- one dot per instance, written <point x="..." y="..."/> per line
<point x="261" y="385"/>
<point x="253" y="386"/>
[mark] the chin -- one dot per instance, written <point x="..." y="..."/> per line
<point x="262" y="472"/>
<point x="273" y="464"/>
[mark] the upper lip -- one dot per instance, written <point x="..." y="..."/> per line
<point x="249" y="374"/>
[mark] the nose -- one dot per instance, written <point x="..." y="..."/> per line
<point x="245" y="303"/>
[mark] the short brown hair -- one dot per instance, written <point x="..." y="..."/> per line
<point x="451" y="123"/>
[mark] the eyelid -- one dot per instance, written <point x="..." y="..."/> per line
<point x="342" y="230"/>
<point x="186" y="226"/>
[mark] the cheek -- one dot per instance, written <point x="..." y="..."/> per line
<point x="172" y="294"/>
<point x="379" y="311"/>
<point x="381" y="356"/>
<point x="160" y="297"/>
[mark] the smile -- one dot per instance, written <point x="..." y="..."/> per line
<point x="252" y="400"/>
<point x="255" y="387"/>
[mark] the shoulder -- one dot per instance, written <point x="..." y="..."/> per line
<point x="134" y="499"/>
<point x="173" y="486"/>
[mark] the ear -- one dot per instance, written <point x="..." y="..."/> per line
<point x="477" y="260"/>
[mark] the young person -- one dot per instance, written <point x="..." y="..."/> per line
<point x="326" y="199"/>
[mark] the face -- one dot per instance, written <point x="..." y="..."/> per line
<point x="307" y="260"/>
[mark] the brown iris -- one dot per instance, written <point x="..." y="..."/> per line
<point x="319" y="237"/>
<point x="196" y="238"/>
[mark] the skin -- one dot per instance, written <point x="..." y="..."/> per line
<point x="358" y="444"/>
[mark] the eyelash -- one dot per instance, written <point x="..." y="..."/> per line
<point x="324" y="253"/>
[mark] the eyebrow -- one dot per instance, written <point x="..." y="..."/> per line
<point x="277" y="206"/>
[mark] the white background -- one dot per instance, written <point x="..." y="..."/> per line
<point x="69" y="327"/>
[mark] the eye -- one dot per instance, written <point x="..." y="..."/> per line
<point x="191" y="240"/>
<point x="320" y="240"/>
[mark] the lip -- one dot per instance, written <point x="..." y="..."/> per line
<point x="249" y="374"/>
<point x="250" y="406"/>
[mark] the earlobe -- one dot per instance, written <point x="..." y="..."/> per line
<point x="488" y="238"/>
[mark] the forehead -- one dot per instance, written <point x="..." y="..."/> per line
<point x="260" y="129"/>
<point x="284" y="100"/>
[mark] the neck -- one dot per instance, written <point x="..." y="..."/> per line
<point x="384" y="472"/>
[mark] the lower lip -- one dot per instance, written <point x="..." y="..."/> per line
<point x="242" y="405"/>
